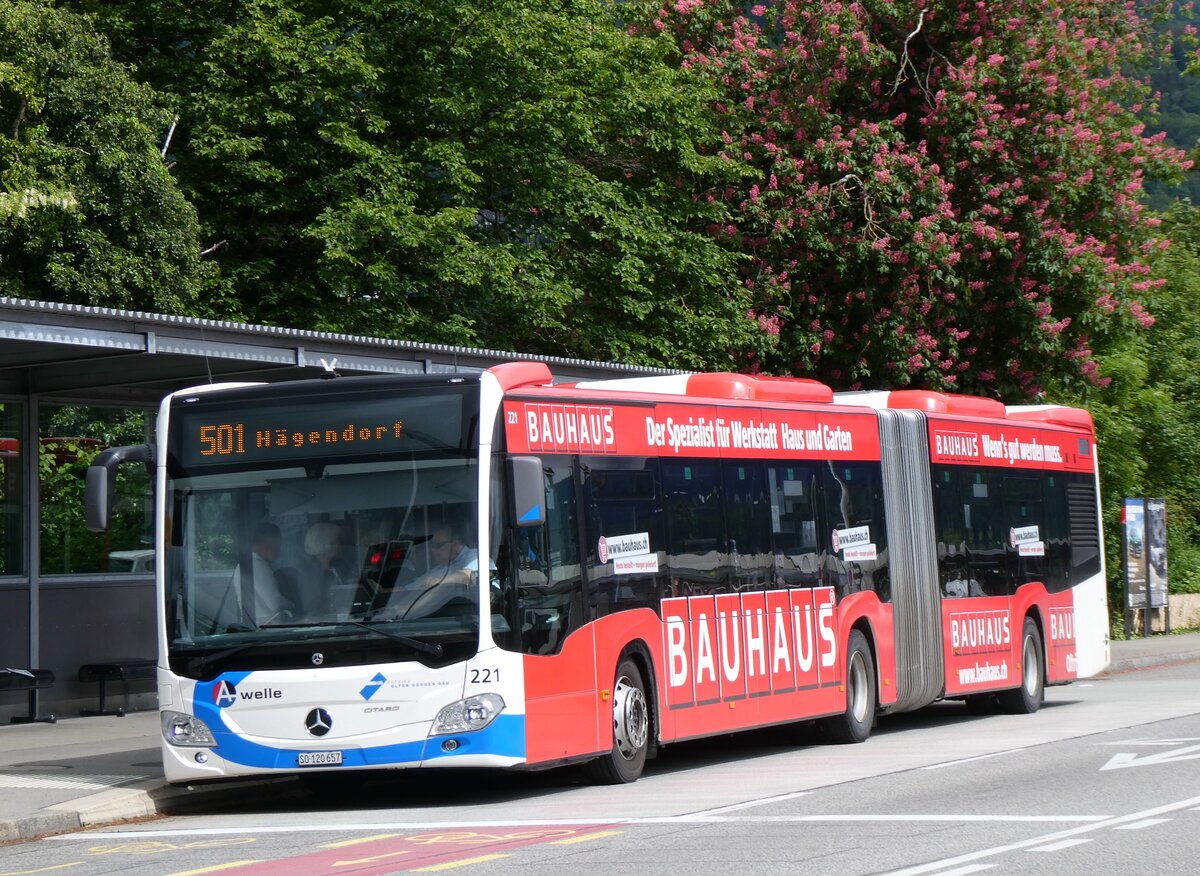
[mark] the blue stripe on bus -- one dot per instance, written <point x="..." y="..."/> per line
<point x="504" y="737"/>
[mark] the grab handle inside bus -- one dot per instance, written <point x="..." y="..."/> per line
<point x="100" y="485"/>
<point x="527" y="487"/>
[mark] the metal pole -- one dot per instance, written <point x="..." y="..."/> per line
<point x="31" y="510"/>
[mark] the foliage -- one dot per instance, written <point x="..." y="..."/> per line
<point x="88" y="212"/>
<point x="518" y="175"/>
<point x="1167" y="409"/>
<point x="878" y="193"/>
<point x="72" y="436"/>
<point x="1178" y="111"/>
<point x="1146" y="411"/>
<point x="944" y="195"/>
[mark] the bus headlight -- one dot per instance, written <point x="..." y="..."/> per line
<point x="186" y="730"/>
<point x="473" y="713"/>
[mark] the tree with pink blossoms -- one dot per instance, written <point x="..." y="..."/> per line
<point x="934" y="195"/>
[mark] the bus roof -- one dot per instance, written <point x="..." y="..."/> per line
<point x="762" y="388"/>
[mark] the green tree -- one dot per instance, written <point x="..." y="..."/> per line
<point x="89" y="214"/>
<point x="943" y="194"/>
<point x="1147" y="410"/>
<point x="1149" y="415"/>
<point x="516" y="175"/>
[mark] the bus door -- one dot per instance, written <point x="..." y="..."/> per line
<point x="546" y="617"/>
<point x="624" y="553"/>
<point x="976" y="567"/>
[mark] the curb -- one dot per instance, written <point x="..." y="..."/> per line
<point x="1149" y="661"/>
<point x="144" y="799"/>
<point x="38" y="825"/>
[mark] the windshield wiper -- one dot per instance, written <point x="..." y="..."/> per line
<point x="197" y="665"/>
<point x="433" y="649"/>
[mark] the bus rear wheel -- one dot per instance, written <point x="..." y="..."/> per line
<point x="1026" y="699"/>
<point x="854" y="725"/>
<point x="631" y="730"/>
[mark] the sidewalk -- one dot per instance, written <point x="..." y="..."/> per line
<point x="83" y="772"/>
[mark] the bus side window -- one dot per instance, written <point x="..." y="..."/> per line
<point x="1024" y="510"/>
<point x="1057" y="534"/>
<point x="621" y="498"/>
<point x="794" y="523"/>
<point x="970" y="533"/>
<point x="547" y="601"/>
<point x="747" y="507"/>
<point x="854" y="504"/>
<point x="695" y="524"/>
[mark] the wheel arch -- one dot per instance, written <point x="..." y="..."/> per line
<point x="639" y="652"/>
<point x="1034" y="613"/>
<point x="864" y="626"/>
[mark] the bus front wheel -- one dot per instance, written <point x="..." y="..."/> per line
<point x="854" y="724"/>
<point x="631" y="729"/>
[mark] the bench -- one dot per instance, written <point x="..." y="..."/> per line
<point x="130" y="669"/>
<point x="31" y="680"/>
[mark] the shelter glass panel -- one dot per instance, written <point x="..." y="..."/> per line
<point x="71" y="436"/>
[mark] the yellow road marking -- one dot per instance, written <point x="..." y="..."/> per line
<point x="587" y="837"/>
<point x="450" y="865"/>
<point x="371" y="859"/>
<point x="360" y="841"/>
<point x="134" y="848"/>
<point x="153" y="848"/>
<point x="42" y="869"/>
<point x="231" y="865"/>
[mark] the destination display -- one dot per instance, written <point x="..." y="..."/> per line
<point x="317" y="428"/>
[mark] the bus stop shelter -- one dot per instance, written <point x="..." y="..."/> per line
<point x="70" y="376"/>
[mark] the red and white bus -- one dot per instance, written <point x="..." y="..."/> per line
<point x="662" y="558"/>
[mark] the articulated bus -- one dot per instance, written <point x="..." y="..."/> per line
<point x="495" y="570"/>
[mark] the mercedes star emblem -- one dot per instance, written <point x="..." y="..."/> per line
<point x="318" y="722"/>
<point x="318" y="659"/>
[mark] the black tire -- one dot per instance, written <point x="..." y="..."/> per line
<point x="1026" y="699"/>
<point x="854" y="725"/>
<point x="631" y="730"/>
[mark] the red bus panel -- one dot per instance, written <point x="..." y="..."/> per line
<point x="1007" y="444"/>
<point x="688" y="431"/>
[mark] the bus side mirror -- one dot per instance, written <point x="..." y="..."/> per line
<point x="527" y="489"/>
<point x="101" y="482"/>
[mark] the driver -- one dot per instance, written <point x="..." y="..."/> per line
<point x="451" y="559"/>
<point x="269" y="602"/>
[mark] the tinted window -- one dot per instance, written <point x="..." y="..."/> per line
<point x="854" y="513"/>
<point x="542" y="586"/>
<point x="695" y="519"/>
<point x="621" y="501"/>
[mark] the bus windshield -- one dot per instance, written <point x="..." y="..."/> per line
<point x="355" y="555"/>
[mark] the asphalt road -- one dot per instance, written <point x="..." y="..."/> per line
<point x="1105" y="776"/>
